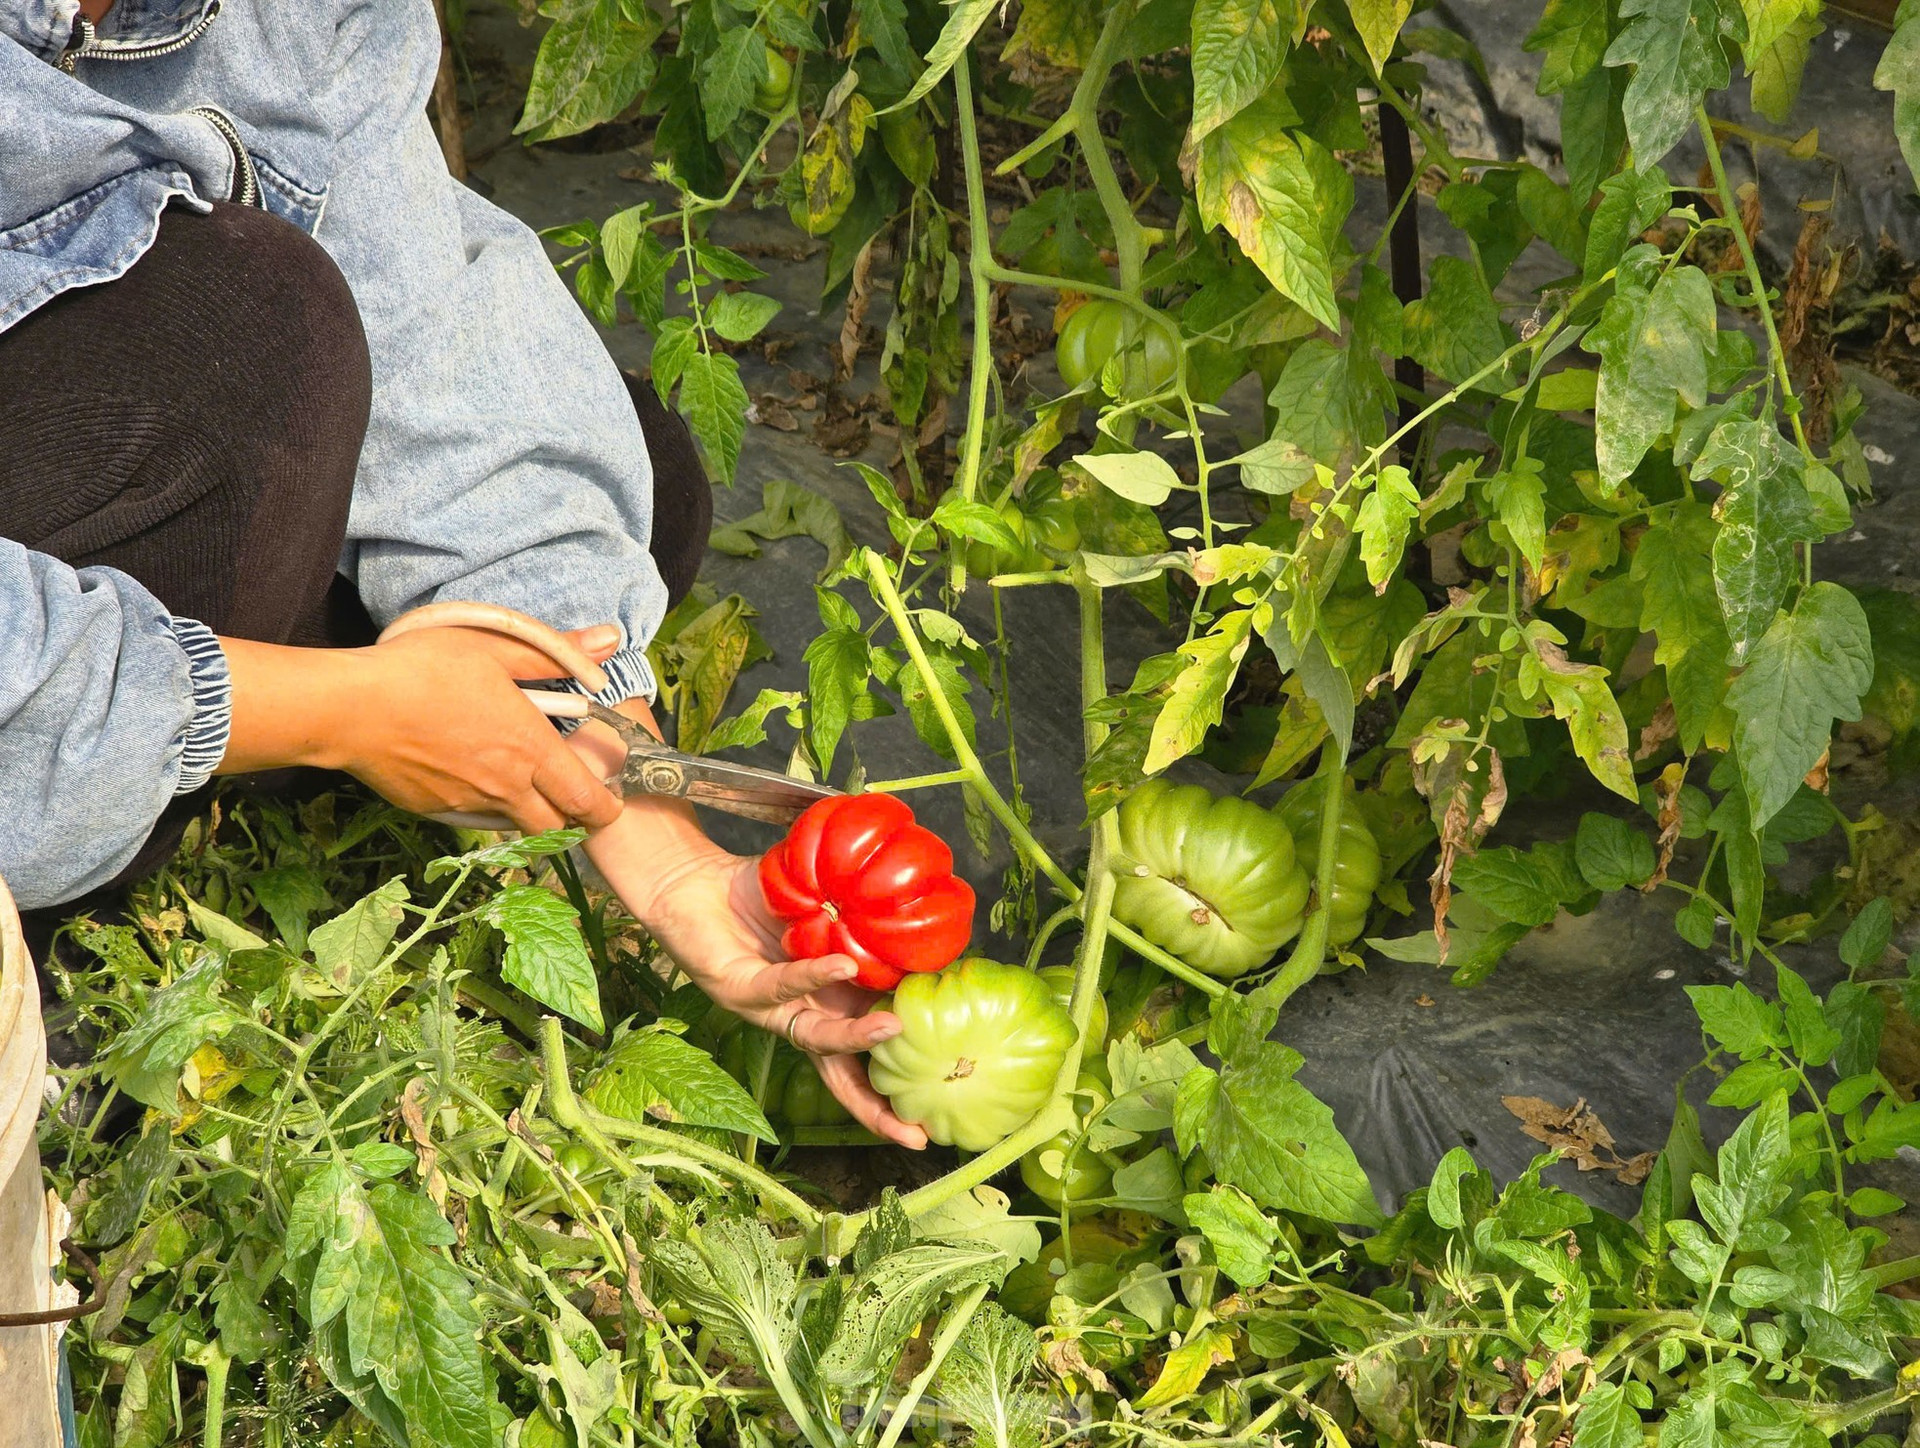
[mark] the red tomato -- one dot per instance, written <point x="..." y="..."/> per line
<point x="856" y="876"/>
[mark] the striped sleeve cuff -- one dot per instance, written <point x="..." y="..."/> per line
<point x="629" y="676"/>
<point x="204" y="743"/>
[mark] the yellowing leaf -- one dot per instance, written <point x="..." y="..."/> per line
<point x="1200" y="691"/>
<point x="1187" y="1367"/>
<point x="1283" y="198"/>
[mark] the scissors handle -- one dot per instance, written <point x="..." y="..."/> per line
<point x="651" y="767"/>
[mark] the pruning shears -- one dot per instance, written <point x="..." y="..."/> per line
<point x="650" y="767"/>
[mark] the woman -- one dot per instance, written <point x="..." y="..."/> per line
<point x="272" y="378"/>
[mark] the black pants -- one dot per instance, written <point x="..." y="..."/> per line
<point x="197" y="424"/>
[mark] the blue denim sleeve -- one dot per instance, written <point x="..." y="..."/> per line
<point x="99" y="710"/>
<point x="504" y="462"/>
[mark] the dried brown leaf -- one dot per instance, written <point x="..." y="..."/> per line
<point x="1666" y="789"/>
<point x="859" y="296"/>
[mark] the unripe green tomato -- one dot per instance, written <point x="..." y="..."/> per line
<point x="1211" y="878"/>
<point x="1047" y="525"/>
<point x="1059" y="979"/>
<point x="1102" y="328"/>
<point x="808" y="1101"/>
<point x="1061" y="1175"/>
<point x="777" y="88"/>
<point x="979" y="1047"/>
<point x="1356" y="861"/>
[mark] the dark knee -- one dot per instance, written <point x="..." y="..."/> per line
<point x="682" y="498"/>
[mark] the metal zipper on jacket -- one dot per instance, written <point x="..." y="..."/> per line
<point x="82" y="46"/>
<point x="246" y="181"/>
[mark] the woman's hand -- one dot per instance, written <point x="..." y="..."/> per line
<point x="433" y="720"/>
<point x="704" y="907"/>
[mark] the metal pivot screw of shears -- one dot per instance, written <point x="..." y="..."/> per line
<point x="650" y="767"/>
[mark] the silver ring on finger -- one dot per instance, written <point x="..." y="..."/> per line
<point x="793" y="1022"/>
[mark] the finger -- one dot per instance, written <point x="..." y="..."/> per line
<point x="528" y="661"/>
<point x="793" y="979"/>
<point x="533" y="815"/>
<point x="828" y="1033"/>
<point x="599" y="643"/>
<point x="569" y="786"/>
<point x="846" y="1077"/>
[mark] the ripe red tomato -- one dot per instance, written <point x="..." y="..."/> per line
<point x="856" y="876"/>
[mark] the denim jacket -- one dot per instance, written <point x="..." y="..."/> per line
<point x="503" y="462"/>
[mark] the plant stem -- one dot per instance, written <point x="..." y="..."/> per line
<point x="1776" y="354"/>
<point x="951" y="1327"/>
<point x="1129" y="243"/>
<point x="917" y="781"/>
<point x="213" y="1428"/>
<point x="979" y="257"/>
<point x="594" y="1129"/>
<point x="1311" y="951"/>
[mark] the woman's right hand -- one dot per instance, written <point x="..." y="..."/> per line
<point x="433" y="720"/>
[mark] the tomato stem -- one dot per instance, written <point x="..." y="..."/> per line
<point x="1311" y="951"/>
<point x="594" y="1129"/>
<point x="979" y="257"/>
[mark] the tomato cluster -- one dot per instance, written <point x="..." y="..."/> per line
<point x="1046" y="522"/>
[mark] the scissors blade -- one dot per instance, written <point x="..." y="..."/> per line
<point x="654" y="768"/>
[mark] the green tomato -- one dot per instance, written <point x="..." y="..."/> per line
<point x="792" y="1093"/>
<point x="1063" y="1171"/>
<point x="1047" y="525"/>
<point x="1356" y="860"/>
<point x="1059" y="979"/>
<point x="1102" y="328"/>
<point x="1212" y="878"/>
<point x="979" y="1047"/>
<point x="773" y="92"/>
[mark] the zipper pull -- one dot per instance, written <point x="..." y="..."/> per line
<point x="246" y="182"/>
<point x="77" y="46"/>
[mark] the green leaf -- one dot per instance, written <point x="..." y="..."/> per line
<point x="1268" y="1135"/>
<point x="1454" y="328"/>
<point x="1763" y="512"/>
<point x="353" y="942"/>
<point x="1514" y="884"/>
<point x="1385" y="516"/>
<point x="546" y="956"/>
<point x="1678" y="51"/>
<point x="963" y="19"/>
<point x="1518" y="495"/>
<point x="1738" y="1019"/>
<point x="1593" y="133"/>
<point x="407" y="1309"/>
<point x="1630" y="202"/>
<point x="987" y="1381"/>
<point x="1750" y="1083"/>
<point x="715" y="404"/>
<point x="221" y="931"/>
<point x="916" y="692"/>
<point x="1139" y="477"/>
<point x="1611" y="853"/>
<point x="1678" y="603"/>
<point x="1652" y="342"/>
<point x="1574" y="34"/>
<point x="1444" y="1205"/>
<point x="1872" y="1202"/>
<point x="1859" y="1018"/>
<point x="1328" y="685"/>
<point x="290" y="894"/>
<point x="890" y="1298"/>
<point x="144" y="1060"/>
<point x="508" y="854"/>
<point x="740" y="316"/>
<point x="748" y="727"/>
<point x="1899" y="72"/>
<point x="1809" y="670"/>
<point x="788" y="510"/>
<point x="1241" y="1235"/>
<point x="1868" y="935"/>
<point x="1813" y="1040"/>
<point x="1379" y="22"/>
<point x="980" y="522"/>
<point x="729" y="74"/>
<point x="1199" y="691"/>
<point x="1778" y="67"/>
<point x="1239" y="51"/>
<point x="1282" y="197"/>
<point x="592" y="63"/>
<point x="838" y="668"/>
<point x="1607" y="1419"/>
<point x="1752" y="1173"/>
<point x="653" y="1075"/>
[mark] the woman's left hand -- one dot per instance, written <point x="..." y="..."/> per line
<point x="704" y="906"/>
